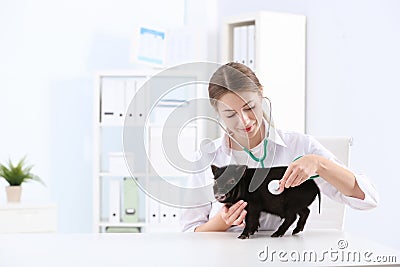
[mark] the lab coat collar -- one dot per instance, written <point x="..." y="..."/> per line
<point x="275" y="137"/>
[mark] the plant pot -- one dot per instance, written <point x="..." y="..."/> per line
<point x="13" y="193"/>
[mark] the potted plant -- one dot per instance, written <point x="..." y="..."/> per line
<point x="15" y="176"/>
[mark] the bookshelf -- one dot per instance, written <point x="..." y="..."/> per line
<point x="118" y="188"/>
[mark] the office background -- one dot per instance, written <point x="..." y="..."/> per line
<point x="49" y="51"/>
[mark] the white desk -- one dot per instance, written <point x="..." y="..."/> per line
<point x="182" y="249"/>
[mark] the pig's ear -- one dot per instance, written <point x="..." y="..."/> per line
<point x="214" y="169"/>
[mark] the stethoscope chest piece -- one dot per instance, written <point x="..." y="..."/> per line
<point x="273" y="187"/>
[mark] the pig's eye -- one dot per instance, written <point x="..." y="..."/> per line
<point x="231" y="181"/>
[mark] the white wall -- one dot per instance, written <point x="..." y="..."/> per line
<point x="353" y="65"/>
<point x="49" y="52"/>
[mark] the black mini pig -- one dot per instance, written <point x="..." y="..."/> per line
<point x="232" y="184"/>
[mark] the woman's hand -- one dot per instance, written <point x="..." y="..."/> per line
<point x="299" y="171"/>
<point x="225" y="218"/>
<point x="235" y="214"/>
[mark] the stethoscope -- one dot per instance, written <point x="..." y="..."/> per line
<point x="273" y="186"/>
<point x="245" y="149"/>
<point x="248" y="151"/>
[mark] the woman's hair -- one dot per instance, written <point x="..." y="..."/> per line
<point x="232" y="77"/>
<point x="235" y="77"/>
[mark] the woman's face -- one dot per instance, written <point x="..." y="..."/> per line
<point x="241" y="112"/>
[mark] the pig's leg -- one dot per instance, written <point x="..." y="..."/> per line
<point x="252" y="223"/>
<point x="302" y="220"/>
<point x="289" y="220"/>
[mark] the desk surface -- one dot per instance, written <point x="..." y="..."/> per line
<point x="310" y="248"/>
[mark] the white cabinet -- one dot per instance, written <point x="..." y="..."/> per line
<point x="28" y="218"/>
<point x="117" y="203"/>
<point x="274" y="45"/>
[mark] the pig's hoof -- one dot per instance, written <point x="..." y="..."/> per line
<point x="296" y="231"/>
<point x="276" y="234"/>
<point x="243" y="236"/>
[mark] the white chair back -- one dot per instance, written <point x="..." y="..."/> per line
<point x="332" y="212"/>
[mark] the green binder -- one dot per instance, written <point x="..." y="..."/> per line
<point x="130" y="201"/>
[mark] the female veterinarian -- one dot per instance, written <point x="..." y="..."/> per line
<point x="251" y="139"/>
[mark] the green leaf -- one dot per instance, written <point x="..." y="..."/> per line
<point x="16" y="175"/>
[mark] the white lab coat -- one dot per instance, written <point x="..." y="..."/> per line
<point x="283" y="147"/>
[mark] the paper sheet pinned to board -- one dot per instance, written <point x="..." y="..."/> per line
<point x="151" y="46"/>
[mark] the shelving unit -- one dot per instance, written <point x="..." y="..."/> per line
<point x="111" y="93"/>
<point x="114" y="92"/>
<point x="273" y="44"/>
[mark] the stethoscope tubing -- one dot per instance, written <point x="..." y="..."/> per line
<point x="248" y="151"/>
